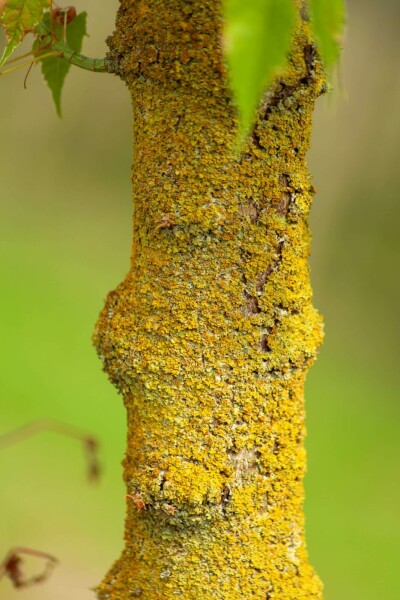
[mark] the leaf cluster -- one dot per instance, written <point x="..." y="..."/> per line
<point x="50" y="27"/>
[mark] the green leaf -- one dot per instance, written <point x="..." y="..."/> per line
<point x="257" y="40"/>
<point x="19" y="17"/>
<point x="55" y="69"/>
<point x="328" y="19"/>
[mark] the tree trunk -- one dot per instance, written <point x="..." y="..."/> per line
<point x="210" y="335"/>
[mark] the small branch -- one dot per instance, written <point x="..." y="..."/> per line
<point x="91" y="445"/>
<point x="98" y="65"/>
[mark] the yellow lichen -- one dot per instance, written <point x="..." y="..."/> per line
<point x="210" y="335"/>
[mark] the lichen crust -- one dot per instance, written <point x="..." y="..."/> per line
<point x="211" y="334"/>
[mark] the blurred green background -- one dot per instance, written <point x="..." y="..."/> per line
<point x="65" y="242"/>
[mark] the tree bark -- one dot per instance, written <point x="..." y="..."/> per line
<point x="210" y="335"/>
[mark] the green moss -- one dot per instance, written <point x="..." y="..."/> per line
<point x="211" y="333"/>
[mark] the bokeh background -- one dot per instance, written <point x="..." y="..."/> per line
<point x="65" y="241"/>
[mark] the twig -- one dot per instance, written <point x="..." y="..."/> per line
<point x="11" y="567"/>
<point x="90" y="444"/>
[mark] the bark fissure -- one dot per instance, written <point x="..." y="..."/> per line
<point x="210" y="335"/>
